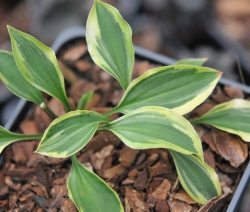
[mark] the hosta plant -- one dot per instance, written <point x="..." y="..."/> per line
<point x="151" y="109"/>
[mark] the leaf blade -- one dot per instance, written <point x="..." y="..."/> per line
<point x="157" y="127"/>
<point x="178" y="87"/>
<point x="7" y="137"/>
<point x="201" y="181"/>
<point x="76" y="126"/>
<point x="192" y="61"/>
<point x="232" y="117"/>
<point x="109" y="40"/>
<point x="89" y="192"/>
<point x="14" y="80"/>
<point x="38" y="65"/>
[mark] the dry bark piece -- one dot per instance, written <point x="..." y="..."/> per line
<point x="219" y="96"/>
<point x="98" y="158"/>
<point x="204" y="108"/>
<point x="208" y="138"/>
<point x="115" y="171"/>
<point x="29" y="127"/>
<point x="4" y="205"/>
<point x="160" y="193"/>
<point x="68" y="205"/>
<point x="74" y="52"/>
<point x="230" y="148"/>
<point x="23" y="151"/>
<point x="233" y="92"/>
<point x="4" y="190"/>
<point x="128" y="156"/>
<point x="161" y="206"/>
<point x="179" y="206"/>
<point x="11" y="184"/>
<point x="162" y="169"/>
<point x="216" y="204"/>
<point x="82" y="65"/>
<point x="151" y="160"/>
<point x="134" y="202"/>
<point x="183" y="196"/>
<point x="209" y="158"/>
<point x="102" y="139"/>
<point x="142" y="180"/>
<point x="133" y="173"/>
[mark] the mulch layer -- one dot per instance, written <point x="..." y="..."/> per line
<point x="145" y="180"/>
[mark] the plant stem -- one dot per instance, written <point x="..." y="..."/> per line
<point x="102" y="128"/>
<point x="47" y="110"/>
<point x="31" y="137"/>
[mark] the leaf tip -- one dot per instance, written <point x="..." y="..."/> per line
<point x="219" y="73"/>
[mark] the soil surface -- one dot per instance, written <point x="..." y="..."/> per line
<point x="145" y="180"/>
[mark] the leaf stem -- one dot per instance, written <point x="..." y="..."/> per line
<point x="48" y="111"/>
<point x="102" y="128"/>
<point x="30" y="137"/>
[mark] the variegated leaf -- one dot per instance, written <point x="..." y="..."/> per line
<point x="157" y="127"/>
<point x="178" y="87"/>
<point x="232" y="117"/>
<point x="198" y="179"/>
<point x="69" y="133"/>
<point x="7" y="137"/>
<point x="14" y="80"/>
<point x="109" y="42"/>
<point x="84" y="100"/>
<point x="89" y="192"/>
<point x="192" y="61"/>
<point x="38" y="65"/>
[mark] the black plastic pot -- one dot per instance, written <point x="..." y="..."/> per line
<point x="79" y="32"/>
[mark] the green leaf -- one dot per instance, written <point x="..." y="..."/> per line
<point x="69" y="133"/>
<point x="38" y="65"/>
<point x="89" y="192"/>
<point x="84" y="100"/>
<point x="7" y="137"/>
<point x="178" y="87"/>
<point x="109" y="42"/>
<point x="157" y="127"/>
<point x="198" y="179"/>
<point x="192" y="61"/>
<point x="14" y="80"/>
<point x="232" y="117"/>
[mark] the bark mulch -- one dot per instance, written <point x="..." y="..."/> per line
<point x="145" y="180"/>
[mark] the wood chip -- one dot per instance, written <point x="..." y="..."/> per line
<point x="128" y="156"/>
<point x="134" y="202"/>
<point x="233" y="92"/>
<point x="74" y="52"/>
<point x="216" y="204"/>
<point x="179" y="206"/>
<point x="142" y="180"/>
<point x="209" y="158"/>
<point x="29" y="127"/>
<point x="183" y="196"/>
<point x="11" y="184"/>
<point x="115" y="171"/>
<point x="230" y="148"/>
<point x="68" y="205"/>
<point x="161" y="206"/>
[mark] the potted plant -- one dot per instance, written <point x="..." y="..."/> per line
<point x="151" y="104"/>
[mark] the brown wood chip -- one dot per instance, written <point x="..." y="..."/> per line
<point x="216" y="204"/>
<point x="230" y="148"/>
<point x="134" y="202"/>
<point x="128" y="156"/>
<point x="183" y="196"/>
<point x="142" y="180"/>
<point x="179" y="206"/>
<point x="233" y="92"/>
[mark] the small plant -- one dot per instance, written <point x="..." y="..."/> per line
<point x="153" y="106"/>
